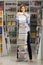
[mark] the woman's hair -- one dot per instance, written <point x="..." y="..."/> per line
<point x="21" y="7"/>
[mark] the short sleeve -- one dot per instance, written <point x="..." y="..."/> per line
<point x="16" y="19"/>
<point x="28" y="18"/>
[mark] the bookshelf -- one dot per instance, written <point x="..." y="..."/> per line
<point x="1" y="25"/>
<point x="10" y="11"/>
<point x="11" y="8"/>
<point x="3" y="50"/>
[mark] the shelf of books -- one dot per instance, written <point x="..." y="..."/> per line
<point x="1" y="25"/>
<point x="34" y="7"/>
<point x="11" y="24"/>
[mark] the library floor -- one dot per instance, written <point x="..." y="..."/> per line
<point x="11" y="60"/>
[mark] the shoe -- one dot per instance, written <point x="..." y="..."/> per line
<point x="17" y="60"/>
<point x="31" y="61"/>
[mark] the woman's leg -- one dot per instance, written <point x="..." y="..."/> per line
<point x="29" y="46"/>
<point x="17" y="52"/>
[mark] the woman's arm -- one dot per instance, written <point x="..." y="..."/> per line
<point x="27" y="17"/>
<point x="16" y="17"/>
<point x="17" y="20"/>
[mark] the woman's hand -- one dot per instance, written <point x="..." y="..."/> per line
<point x="24" y="13"/>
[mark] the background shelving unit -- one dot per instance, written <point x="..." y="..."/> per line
<point x="35" y="23"/>
<point x="11" y="8"/>
<point x="2" y="5"/>
<point x="3" y="50"/>
<point x="11" y="24"/>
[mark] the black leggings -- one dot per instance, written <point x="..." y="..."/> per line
<point x="29" y="46"/>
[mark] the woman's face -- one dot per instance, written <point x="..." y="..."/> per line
<point x="23" y="9"/>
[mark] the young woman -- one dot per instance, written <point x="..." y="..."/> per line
<point x="23" y="10"/>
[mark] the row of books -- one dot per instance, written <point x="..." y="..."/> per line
<point x="0" y="30"/>
<point x="12" y="29"/>
<point x="0" y="40"/>
<point x="0" y="49"/>
<point x="13" y="41"/>
<point x="36" y="3"/>
<point x="11" y="23"/>
<point x="12" y="34"/>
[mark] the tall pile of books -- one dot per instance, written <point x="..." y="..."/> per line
<point x="22" y="40"/>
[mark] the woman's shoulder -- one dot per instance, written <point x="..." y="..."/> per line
<point x="18" y="13"/>
<point x="27" y="13"/>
